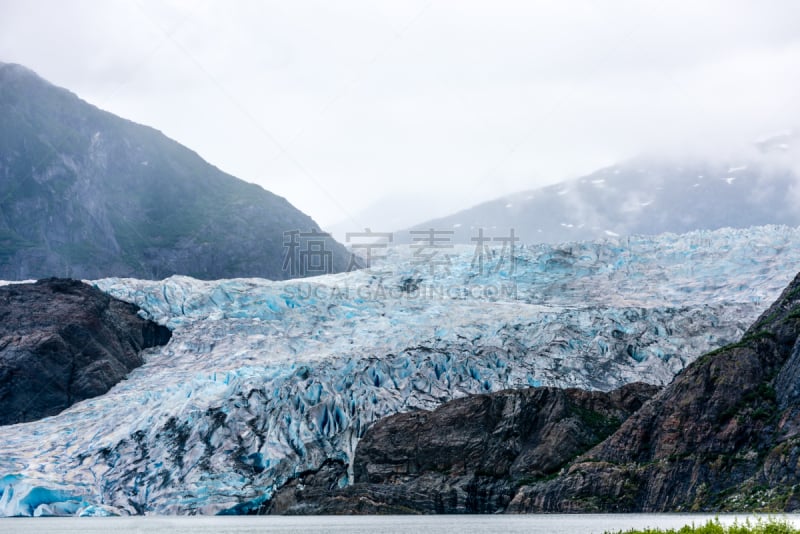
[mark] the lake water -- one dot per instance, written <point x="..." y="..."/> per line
<point x="453" y="524"/>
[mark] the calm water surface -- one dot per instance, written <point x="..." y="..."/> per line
<point x="533" y="524"/>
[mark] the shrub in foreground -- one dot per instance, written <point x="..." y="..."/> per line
<point x="759" y="526"/>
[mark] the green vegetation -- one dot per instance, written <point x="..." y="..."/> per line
<point x="794" y="314"/>
<point x="794" y="293"/>
<point x="758" y="526"/>
<point x="600" y="424"/>
<point x="757" y="404"/>
<point x="745" y="342"/>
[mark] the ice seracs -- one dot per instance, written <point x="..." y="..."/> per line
<point x="262" y="380"/>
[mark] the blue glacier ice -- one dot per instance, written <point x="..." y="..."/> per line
<point x="263" y="379"/>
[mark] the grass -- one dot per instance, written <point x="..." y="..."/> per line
<point x="759" y="526"/>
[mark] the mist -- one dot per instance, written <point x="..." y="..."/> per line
<point x="439" y="105"/>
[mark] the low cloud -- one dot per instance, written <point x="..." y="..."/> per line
<point x="339" y="106"/>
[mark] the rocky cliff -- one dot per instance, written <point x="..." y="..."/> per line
<point x="86" y="194"/>
<point x="468" y="456"/>
<point x="62" y="341"/>
<point x="725" y="435"/>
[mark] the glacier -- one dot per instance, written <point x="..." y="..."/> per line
<point x="263" y="380"/>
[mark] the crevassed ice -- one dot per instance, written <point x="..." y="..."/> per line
<point x="262" y="380"/>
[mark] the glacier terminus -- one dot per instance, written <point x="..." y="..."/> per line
<point x="265" y="379"/>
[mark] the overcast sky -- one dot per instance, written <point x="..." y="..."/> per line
<point x="339" y="106"/>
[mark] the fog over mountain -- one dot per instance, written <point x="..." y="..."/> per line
<point x="645" y="195"/>
<point x="85" y="193"/>
<point x="336" y="106"/>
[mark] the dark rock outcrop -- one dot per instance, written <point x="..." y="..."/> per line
<point x="724" y="435"/>
<point x="86" y="194"/>
<point x="468" y="456"/>
<point x="62" y="341"/>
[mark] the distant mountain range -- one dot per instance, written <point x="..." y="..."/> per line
<point x="641" y="196"/>
<point x="86" y="194"/>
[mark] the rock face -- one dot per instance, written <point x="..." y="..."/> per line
<point x="86" y="194"/>
<point x="725" y="435"/>
<point x="468" y="456"/>
<point x="62" y="341"/>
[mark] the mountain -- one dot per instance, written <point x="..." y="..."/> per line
<point x="86" y="194"/>
<point x="263" y="381"/>
<point x="62" y="341"/>
<point x="642" y="196"/>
